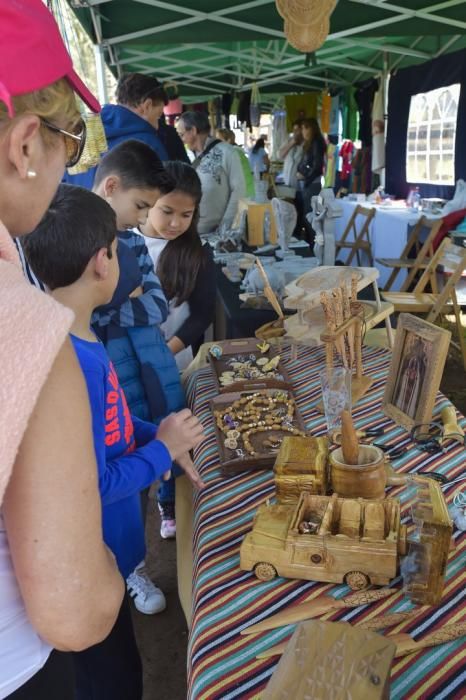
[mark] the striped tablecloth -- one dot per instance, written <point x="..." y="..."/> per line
<point x="222" y="664"/>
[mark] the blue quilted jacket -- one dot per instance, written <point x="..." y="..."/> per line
<point x="145" y="365"/>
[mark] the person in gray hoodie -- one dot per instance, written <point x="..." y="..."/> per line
<point x="219" y="168"/>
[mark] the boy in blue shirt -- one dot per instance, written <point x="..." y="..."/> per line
<point x="130" y="178"/>
<point x="73" y="251"/>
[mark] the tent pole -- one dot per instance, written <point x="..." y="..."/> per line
<point x="99" y="58"/>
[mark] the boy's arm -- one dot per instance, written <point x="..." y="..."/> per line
<point x="150" y="308"/>
<point x="131" y="472"/>
<point x="144" y="431"/>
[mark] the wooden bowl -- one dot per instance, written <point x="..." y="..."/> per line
<point x="366" y="480"/>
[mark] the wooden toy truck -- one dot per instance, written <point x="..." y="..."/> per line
<point x="326" y="538"/>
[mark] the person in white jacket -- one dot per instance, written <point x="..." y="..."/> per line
<point x="219" y="168"/>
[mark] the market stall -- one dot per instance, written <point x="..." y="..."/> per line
<point x="226" y="600"/>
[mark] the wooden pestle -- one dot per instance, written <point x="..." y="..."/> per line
<point x="349" y="439"/>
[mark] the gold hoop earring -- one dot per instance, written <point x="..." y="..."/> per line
<point x="31" y="174"/>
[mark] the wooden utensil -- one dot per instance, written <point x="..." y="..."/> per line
<point x="268" y="291"/>
<point x="373" y="625"/>
<point x="451" y="429"/>
<point x="405" y="644"/>
<point x="314" y="608"/>
<point x="349" y="439"/>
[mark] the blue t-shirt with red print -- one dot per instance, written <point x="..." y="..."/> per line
<point x="129" y="458"/>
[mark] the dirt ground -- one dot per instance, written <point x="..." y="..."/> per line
<point x="163" y="638"/>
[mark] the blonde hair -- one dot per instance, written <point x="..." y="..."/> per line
<point x="225" y="134"/>
<point x="56" y="103"/>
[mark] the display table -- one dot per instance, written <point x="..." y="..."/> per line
<point x="388" y="233"/>
<point x="221" y="663"/>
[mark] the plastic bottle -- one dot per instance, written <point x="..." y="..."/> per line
<point x="416" y="200"/>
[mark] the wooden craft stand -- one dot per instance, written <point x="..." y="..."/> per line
<point x="345" y="320"/>
<point x="303" y="294"/>
<point x="255" y="219"/>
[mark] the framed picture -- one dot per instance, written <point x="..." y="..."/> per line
<point x="416" y="370"/>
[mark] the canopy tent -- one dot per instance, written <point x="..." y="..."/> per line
<point x="210" y="47"/>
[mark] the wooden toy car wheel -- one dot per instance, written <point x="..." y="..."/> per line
<point x="357" y="581"/>
<point x="264" y="571"/>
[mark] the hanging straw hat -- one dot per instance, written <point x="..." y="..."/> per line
<point x="305" y="11"/>
<point x="307" y="38"/>
<point x="95" y="146"/>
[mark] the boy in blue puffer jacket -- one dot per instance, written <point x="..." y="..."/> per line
<point x="131" y="178"/>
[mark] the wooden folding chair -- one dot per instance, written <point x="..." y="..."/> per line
<point x="361" y="238"/>
<point x="452" y="258"/>
<point x="415" y="255"/>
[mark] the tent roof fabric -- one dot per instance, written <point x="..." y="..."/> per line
<point x="209" y="47"/>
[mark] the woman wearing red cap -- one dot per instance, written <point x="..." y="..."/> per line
<point x="59" y="586"/>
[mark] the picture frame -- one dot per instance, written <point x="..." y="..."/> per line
<point x="416" y="370"/>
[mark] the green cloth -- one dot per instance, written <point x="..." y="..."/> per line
<point x="248" y="176"/>
<point x="350" y="116"/>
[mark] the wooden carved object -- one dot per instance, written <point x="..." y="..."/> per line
<point x="424" y="567"/>
<point x="320" y="606"/>
<point x="332" y="660"/>
<point x="405" y="644"/>
<point x="301" y="465"/>
<point x="373" y="625"/>
<point x="321" y="538"/>
<point x="268" y="291"/>
<point x="451" y="429"/>
<point x="366" y="479"/>
<point x="344" y="320"/>
<point x="349" y="439"/>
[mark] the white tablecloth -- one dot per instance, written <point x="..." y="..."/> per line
<point x="388" y="233"/>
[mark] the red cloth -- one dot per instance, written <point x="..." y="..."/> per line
<point x="449" y="222"/>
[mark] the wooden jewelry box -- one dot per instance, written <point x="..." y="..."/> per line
<point x="258" y="365"/>
<point x="301" y="465"/>
<point x="423" y="569"/>
<point x="250" y="426"/>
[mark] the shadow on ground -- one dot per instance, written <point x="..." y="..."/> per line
<point x="162" y="638"/>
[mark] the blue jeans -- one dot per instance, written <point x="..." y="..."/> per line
<point x="166" y="492"/>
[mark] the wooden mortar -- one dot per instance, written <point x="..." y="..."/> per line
<point x="364" y="480"/>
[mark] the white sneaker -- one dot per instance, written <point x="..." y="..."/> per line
<point x="148" y="599"/>
<point x="167" y="522"/>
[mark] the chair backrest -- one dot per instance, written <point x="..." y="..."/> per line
<point x="425" y="251"/>
<point x="414" y="238"/>
<point x="452" y="257"/>
<point x="358" y="211"/>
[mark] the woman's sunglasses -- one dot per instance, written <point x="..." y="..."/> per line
<point x="74" y="143"/>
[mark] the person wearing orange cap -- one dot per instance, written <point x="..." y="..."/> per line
<point x="51" y="546"/>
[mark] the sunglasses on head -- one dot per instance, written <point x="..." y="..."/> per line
<point x="74" y="143"/>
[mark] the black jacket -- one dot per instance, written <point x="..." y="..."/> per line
<point x="312" y="163"/>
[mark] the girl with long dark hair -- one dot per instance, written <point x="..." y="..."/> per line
<point x="186" y="271"/>
<point x="311" y="168"/>
<point x="183" y="264"/>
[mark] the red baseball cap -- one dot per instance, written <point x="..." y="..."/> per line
<point x="32" y="53"/>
